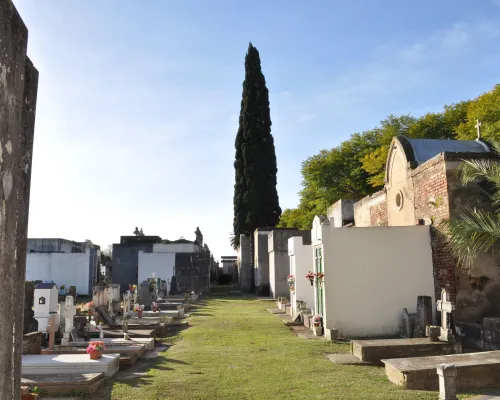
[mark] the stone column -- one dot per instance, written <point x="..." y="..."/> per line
<point x="447" y="374"/>
<point x="18" y="90"/>
<point x="246" y="269"/>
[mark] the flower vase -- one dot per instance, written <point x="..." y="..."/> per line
<point x="312" y="283"/>
<point x="95" y="355"/>
<point x="317" y="330"/>
<point x="139" y="313"/>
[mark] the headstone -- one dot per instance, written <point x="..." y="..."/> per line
<point x="424" y="315"/>
<point x="75" y="337"/>
<point x="145" y="293"/>
<point x="52" y="328"/>
<point x="407" y="324"/>
<point x="433" y="332"/>
<point x="69" y="315"/>
<point x="491" y="329"/>
<point x="447" y="382"/>
<point x="445" y="307"/>
<point x="72" y="291"/>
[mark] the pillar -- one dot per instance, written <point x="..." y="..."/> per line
<point x="18" y="91"/>
<point x="447" y="374"/>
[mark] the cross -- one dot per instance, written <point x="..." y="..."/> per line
<point x="445" y="307"/>
<point x="69" y="314"/>
<point x="478" y="127"/>
<point x="52" y="328"/>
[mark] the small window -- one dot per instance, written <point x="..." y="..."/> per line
<point x="399" y="200"/>
<point x="41" y="300"/>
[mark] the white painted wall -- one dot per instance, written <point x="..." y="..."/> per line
<point x="300" y="264"/>
<point x="371" y="274"/>
<point x="69" y="269"/>
<point x="162" y="264"/>
<point x="175" y="248"/>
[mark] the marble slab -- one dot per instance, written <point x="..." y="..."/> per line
<point x="49" y="364"/>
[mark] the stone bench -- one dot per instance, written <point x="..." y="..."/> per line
<point x="474" y="371"/>
<point x="373" y="351"/>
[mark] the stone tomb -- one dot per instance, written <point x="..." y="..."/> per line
<point x="45" y="304"/>
<point x="128" y="353"/>
<point x="50" y="364"/>
<point x="373" y="351"/>
<point x="149" y="343"/>
<point x="59" y="384"/>
<point x="474" y="371"/>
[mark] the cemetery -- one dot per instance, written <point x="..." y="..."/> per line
<point x="373" y="299"/>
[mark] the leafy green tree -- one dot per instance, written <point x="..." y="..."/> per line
<point x="475" y="231"/>
<point x="256" y="200"/>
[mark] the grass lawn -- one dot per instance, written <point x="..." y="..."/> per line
<point x="236" y="349"/>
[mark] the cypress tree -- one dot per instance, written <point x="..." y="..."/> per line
<point x="256" y="202"/>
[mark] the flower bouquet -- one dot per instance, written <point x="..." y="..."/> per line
<point x="154" y="307"/>
<point x="310" y="275"/>
<point x="139" y="310"/>
<point x="320" y="276"/>
<point x="95" y="349"/>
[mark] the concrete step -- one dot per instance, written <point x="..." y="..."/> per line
<point x="474" y="371"/>
<point x="373" y="351"/>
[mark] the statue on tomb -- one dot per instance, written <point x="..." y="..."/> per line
<point x="141" y="233"/>
<point x="137" y="232"/>
<point x="199" y="237"/>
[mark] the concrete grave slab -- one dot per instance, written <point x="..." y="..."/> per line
<point x="474" y="370"/>
<point x="69" y="364"/>
<point x="149" y="343"/>
<point x="373" y="351"/>
<point x="65" y="383"/>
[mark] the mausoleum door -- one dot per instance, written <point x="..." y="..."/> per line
<point x="319" y="287"/>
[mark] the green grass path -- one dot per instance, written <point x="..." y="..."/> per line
<point x="235" y="349"/>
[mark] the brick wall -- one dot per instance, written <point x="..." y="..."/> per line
<point x="378" y="214"/>
<point x="431" y="199"/>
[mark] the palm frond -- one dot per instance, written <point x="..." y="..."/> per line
<point x="473" y="232"/>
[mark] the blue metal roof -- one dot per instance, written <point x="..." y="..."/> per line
<point x="425" y="149"/>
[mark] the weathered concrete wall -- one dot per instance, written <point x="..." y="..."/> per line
<point x="162" y="264"/>
<point x="192" y="272"/>
<point x="126" y="262"/>
<point x="279" y="264"/>
<point x="342" y="213"/>
<point x="69" y="269"/>
<point x="261" y="262"/>
<point x="301" y="262"/>
<point x="18" y="92"/>
<point x="245" y="265"/>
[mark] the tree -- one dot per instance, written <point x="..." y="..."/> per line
<point x="476" y="231"/>
<point x="256" y="200"/>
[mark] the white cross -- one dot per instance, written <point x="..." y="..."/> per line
<point x="445" y="307"/>
<point x="69" y="313"/>
<point x="478" y="127"/>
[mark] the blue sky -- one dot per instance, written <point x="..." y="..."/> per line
<point x="138" y="101"/>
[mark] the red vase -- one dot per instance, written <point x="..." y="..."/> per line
<point x="95" y="355"/>
<point x="139" y="314"/>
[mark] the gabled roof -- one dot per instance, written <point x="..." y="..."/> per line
<point x="418" y="151"/>
<point x="46" y="285"/>
<point x="425" y="149"/>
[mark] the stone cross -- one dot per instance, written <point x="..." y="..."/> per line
<point x="445" y="307"/>
<point x="69" y="314"/>
<point x="52" y="328"/>
<point x="101" y="333"/>
<point x="478" y="127"/>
